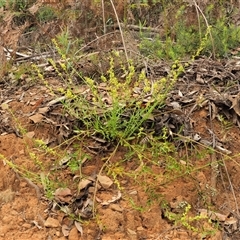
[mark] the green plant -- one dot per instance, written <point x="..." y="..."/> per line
<point x="41" y="145"/>
<point x="225" y="124"/>
<point x="20" y="129"/>
<point x="46" y="14"/>
<point x="21" y="170"/>
<point x="226" y="37"/>
<point x="2" y="3"/>
<point x="15" y="5"/>
<point x="76" y="160"/>
<point x="49" y="186"/>
<point x="183" y="218"/>
<point x="33" y="156"/>
<point x="119" y="116"/>
<point x="136" y="207"/>
<point x="116" y="171"/>
<point x="211" y="36"/>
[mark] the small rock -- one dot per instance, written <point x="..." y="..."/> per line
<point x="105" y="181"/>
<point x="58" y="234"/>
<point x="133" y="192"/>
<point x="116" y="207"/>
<point x="106" y="238"/>
<point x="23" y="184"/>
<point x="27" y="225"/>
<point x="7" y="196"/>
<point x="140" y="228"/>
<point x="4" y="229"/>
<point x="183" y="235"/>
<point x="73" y="235"/>
<point x="6" y="219"/>
<point x="57" y="238"/>
<point x="217" y="236"/>
<point x="131" y="232"/>
<point x="14" y="213"/>
<point x="91" y="189"/>
<point x="51" y="223"/>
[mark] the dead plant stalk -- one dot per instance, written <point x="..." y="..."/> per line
<point x="206" y="21"/>
<point x="121" y="32"/>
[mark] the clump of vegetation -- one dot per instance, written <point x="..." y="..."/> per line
<point x="182" y="217"/>
<point x="46" y="14"/>
<point x="114" y="114"/>
<point x="183" y="38"/>
<point x="17" y="6"/>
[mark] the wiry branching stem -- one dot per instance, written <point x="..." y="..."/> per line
<point x="121" y="32"/>
<point x="206" y="21"/>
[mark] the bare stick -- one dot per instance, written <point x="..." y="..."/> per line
<point x="199" y="23"/>
<point x="96" y="183"/>
<point x="210" y="33"/>
<point x="103" y="16"/>
<point x="121" y="32"/>
<point x="232" y="189"/>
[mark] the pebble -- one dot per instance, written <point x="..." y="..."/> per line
<point x="73" y="235"/>
<point x="116" y="207"/>
<point x="51" y="223"/>
<point x="27" y="225"/>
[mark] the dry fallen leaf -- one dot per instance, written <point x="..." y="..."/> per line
<point x="63" y="195"/>
<point x="65" y="230"/>
<point x="43" y="110"/>
<point x="235" y="103"/>
<point x="30" y="134"/>
<point x="231" y="221"/>
<point x="35" y="7"/>
<point x="213" y="215"/>
<point x="199" y="79"/>
<point x="4" y="106"/>
<point x="79" y="227"/>
<point x="83" y="184"/>
<point x="36" y="118"/>
<point x="114" y="199"/>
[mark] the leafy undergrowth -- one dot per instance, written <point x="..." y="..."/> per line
<point x="113" y="142"/>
